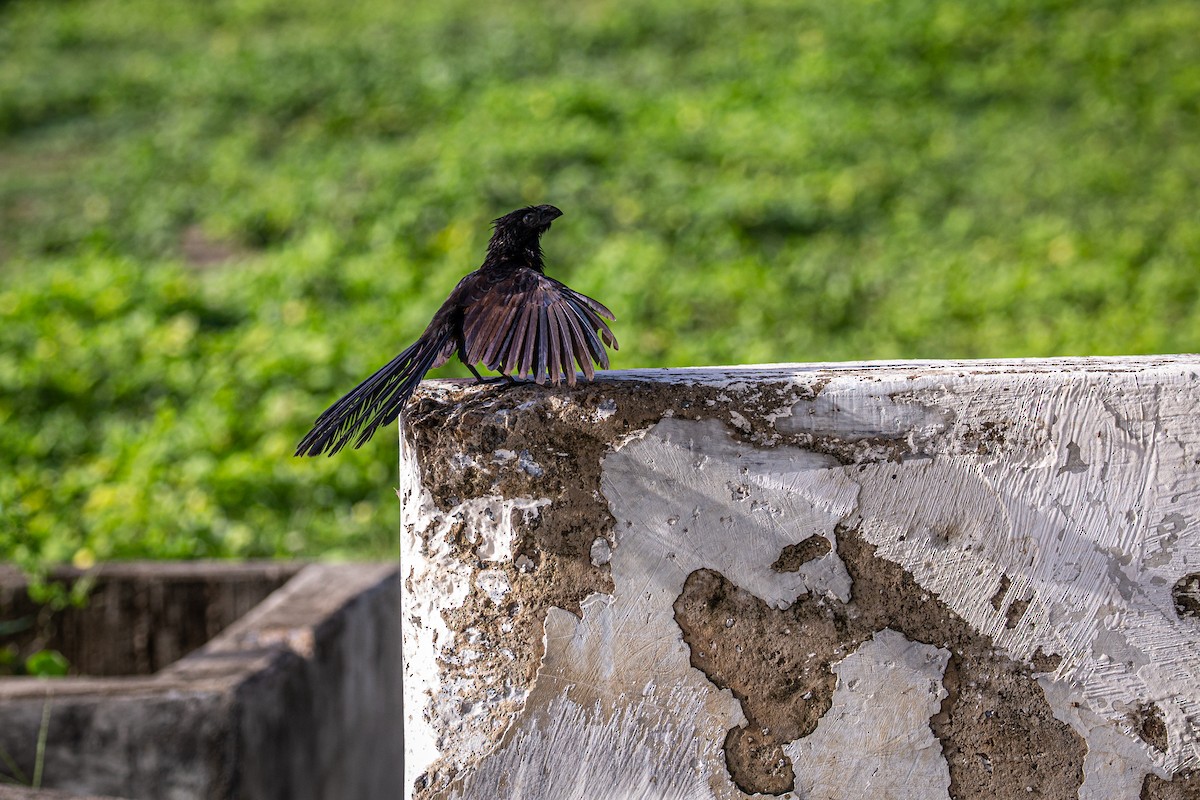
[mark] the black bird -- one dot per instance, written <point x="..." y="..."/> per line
<point x="507" y="314"/>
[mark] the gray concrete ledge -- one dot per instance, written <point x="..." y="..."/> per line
<point x="21" y="793"/>
<point x="909" y="580"/>
<point x="299" y="698"/>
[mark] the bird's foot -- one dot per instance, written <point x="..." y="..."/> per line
<point x="507" y="380"/>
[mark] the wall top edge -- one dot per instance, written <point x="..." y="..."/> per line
<point x="787" y="372"/>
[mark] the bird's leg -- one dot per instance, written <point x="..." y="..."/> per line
<point x="482" y="379"/>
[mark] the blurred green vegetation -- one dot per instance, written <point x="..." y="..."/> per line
<point x="217" y="217"/>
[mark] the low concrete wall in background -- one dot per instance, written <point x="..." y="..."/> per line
<point x="140" y="616"/>
<point x="908" y="580"/>
<point x="298" y="699"/>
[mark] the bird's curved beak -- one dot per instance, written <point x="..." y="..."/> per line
<point x="549" y="214"/>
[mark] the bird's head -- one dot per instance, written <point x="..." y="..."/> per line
<point x="528" y="222"/>
<point x="516" y="234"/>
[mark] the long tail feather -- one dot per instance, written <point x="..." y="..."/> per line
<point x="377" y="400"/>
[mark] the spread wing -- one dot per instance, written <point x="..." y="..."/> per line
<point x="527" y="324"/>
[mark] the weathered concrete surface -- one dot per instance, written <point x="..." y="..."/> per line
<point x="300" y="698"/>
<point x="911" y="580"/>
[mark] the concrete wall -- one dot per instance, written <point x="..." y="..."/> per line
<point x="297" y="700"/>
<point x="10" y="792"/>
<point x="910" y="580"/>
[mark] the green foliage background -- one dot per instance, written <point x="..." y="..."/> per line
<point x="217" y="216"/>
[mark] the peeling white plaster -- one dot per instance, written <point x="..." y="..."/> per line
<point x="601" y="552"/>
<point x="654" y="742"/>
<point x="494" y="584"/>
<point x="739" y="421"/>
<point x="755" y="375"/>
<point x="875" y="739"/>
<point x="444" y="717"/>
<point x="689" y="494"/>
<point x="527" y="465"/>
<point x="868" y="411"/>
<point x="604" y="410"/>
<point x="489" y="521"/>
<point x="461" y="462"/>
<point x="430" y="582"/>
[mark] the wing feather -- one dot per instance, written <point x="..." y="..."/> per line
<point x="594" y="305"/>
<point x="554" y="359"/>
<point x="581" y="346"/>
<point x="530" y="325"/>
<point x="506" y="357"/>
<point x="540" y="357"/>
<point x="592" y="341"/>
<point x="499" y="335"/>
<point x="562" y="337"/>
<point x="593" y="311"/>
<point x="530" y="344"/>
<point x="490" y="324"/>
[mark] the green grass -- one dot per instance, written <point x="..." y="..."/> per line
<point x="742" y="182"/>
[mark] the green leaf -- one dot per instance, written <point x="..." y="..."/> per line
<point x="47" y="664"/>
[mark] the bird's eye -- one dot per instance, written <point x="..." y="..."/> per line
<point x="530" y="218"/>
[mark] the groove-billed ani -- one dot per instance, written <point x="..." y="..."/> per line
<point x="507" y="314"/>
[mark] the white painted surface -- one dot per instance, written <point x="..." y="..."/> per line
<point x="875" y="738"/>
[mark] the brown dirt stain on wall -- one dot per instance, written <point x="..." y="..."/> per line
<point x="776" y="663"/>
<point x="795" y="556"/>
<point x="1147" y="720"/>
<point x="998" y="733"/>
<point x="1184" y="786"/>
